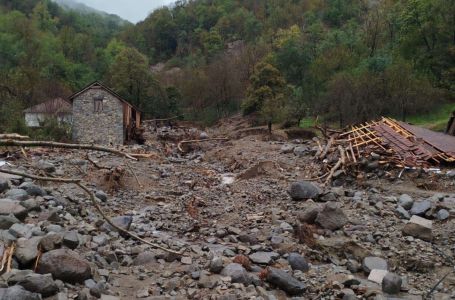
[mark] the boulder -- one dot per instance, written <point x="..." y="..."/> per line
<point x="71" y="239"/>
<point x="27" y="250"/>
<point x="144" y="258"/>
<point x="65" y="265"/>
<point x="38" y="283"/>
<point x="372" y="262"/>
<point x="19" y="230"/>
<point x="51" y="241"/>
<point x="391" y="283"/>
<point x="263" y="258"/>
<point x="216" y="265"/>
<point x="302" y="190"/>
<point x="420" y="228"/>
<point x="285" y="281"/>
<point x="7" y="221"/>
<point x="4" y="185"/>
<point x="123" y="222"/>
<point x="298" y="262"/>
<point x="309" y="215"/>
<point x="32" y="189"/>
<point x="17" y="292"/>
<point x="12" y="207"/>
<point x="331" y="217"/>
<point x="405" y="201"/>
<point x="419" y="208"/>
<point x="46" y="166"/>
<point x="237" y="273"/>
<point x="300" y="151"/>
<point x="402" y="213"/>
<point x="101" y="195"/>
<point x="17" y="194"/>
<point x="443" y="214"/>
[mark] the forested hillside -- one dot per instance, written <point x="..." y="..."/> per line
<point x="345" y="61"/>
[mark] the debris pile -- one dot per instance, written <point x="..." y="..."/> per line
<point x="402" y="144"/>
<point x="239" y="218"/>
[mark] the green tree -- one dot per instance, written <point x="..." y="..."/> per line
<point x="130" y="76"/>
<point x="266" y="94"/>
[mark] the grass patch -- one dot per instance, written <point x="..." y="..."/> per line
<point x="435" y="120"/>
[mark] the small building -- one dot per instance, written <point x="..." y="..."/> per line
<point x="103" y="117"/>
<point x="57" y="108"/>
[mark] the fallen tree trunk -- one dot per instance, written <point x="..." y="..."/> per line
<point x="64" y="146"/>
<point x="179" y="146"/>
<point x="13" y="136"/>
<point x="92" y="197"/>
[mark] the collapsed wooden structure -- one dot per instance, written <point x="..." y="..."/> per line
<point x="402" y="144"/>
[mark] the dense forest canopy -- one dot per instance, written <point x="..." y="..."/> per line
<point x="346" y="61"/>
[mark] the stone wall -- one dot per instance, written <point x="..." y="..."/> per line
<point x="103" y="127"/>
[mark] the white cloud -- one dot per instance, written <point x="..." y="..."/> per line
<point x="131" y="10"/>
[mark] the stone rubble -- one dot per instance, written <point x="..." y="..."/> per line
<point x="272" y="235"/>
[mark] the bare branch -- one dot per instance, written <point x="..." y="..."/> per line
<point x="65" y="146"/>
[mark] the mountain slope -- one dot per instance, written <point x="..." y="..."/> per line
<point x="85" y="9"/>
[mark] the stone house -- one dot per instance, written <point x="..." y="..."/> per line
<point x="58" y="108"/>
<point x="101" y="116"/>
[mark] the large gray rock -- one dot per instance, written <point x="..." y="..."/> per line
<point x="4" y="185"/>
<point x="71" y="239"/>
<point x="391" y="283"/>
<point x="65" y="265"/>
<point x="443" y="214"/>
<point x="263" y="258"/>
<point x="12" y="207"/>
<point x="32" y="189"/>
<point x="216" y="265"/>
<point x="285" y="281"/>
<point x="38" y="283"/>
<point x="331" y="217"/>
<point x="123" y="222"/>
<point x="17" y="194"/>
<point x="420" y="228"/>
<point x="17" y="292"/>
<point x="27" y="250"/>
<point x="237" y="273"/>
<point x="309" y="215"/>
<point x="302" y="190"/>
<point x="372" y="262"/>
<point x="101" y="195"/>
<point x="19" y="230"/>
<point x="46" y="166"/>
<point x="402" y="213"/>
<point x="7" y="221"/>
<point x="51" y="241"/>
<point x="298" y="262"/>
<point x="419" y="208"/>
<point x="405" y="201"/>
<point x="144" y="258"/>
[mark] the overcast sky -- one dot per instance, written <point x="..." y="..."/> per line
<point x="131" y="10"/>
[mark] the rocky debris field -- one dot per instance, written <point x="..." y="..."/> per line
<point x="249" y="222"/>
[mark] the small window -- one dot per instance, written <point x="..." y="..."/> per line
<point x="98" y="103"/>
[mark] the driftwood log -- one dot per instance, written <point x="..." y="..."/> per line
<point x="17" y="143"/>
<point x="13" y="136"/>
<point x="179" y="146"/>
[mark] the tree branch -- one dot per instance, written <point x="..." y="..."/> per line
<point x="65" y="146"/>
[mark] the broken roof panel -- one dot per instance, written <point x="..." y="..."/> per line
<point x="405" y="144"/>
